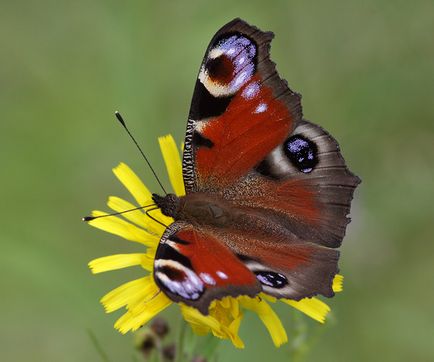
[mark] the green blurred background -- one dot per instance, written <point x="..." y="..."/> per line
<point x="366" y="72"/>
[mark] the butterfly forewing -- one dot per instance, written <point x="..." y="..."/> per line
<point x="240" y="111"/>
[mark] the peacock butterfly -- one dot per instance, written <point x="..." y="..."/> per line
<point x="267" y="192"/>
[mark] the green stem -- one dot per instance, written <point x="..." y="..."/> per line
<point x="97" y="346"/>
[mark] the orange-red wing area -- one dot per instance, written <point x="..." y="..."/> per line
<point x="301" y="206"/>
<point x="210" y="256"/>
<point x="242" y="136"/>
<point x="194" y="267"/>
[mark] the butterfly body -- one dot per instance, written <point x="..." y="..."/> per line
<point x="267" y="192"/>
<point x="207" y="210"/>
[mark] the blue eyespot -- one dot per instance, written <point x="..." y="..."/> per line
<point x="271" y="279"/>
<point x="302" y="152"/>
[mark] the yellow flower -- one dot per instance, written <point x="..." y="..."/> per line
<point x="142" y="298"/>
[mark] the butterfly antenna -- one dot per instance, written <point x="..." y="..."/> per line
<point x="90" y="218"/>
<point x="148" y="213"/>
<point x="122" y="122"/>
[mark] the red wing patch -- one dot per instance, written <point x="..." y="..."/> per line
<point x="291" y="197"/>
<point x="253" y="124"/>
<point x="240" y="111"/>
<point x="195" y="268"/>
<point x="210" y="257"/>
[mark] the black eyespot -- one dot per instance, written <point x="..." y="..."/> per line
<point x="177" y="281"/>
<point x="220" y="69"/>
<point x="302" y="152"/>
<point x="272" y="279"/>
<point x="173" y="273"/>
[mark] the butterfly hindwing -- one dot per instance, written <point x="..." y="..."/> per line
<point x="285" y="265"/>
<point x="194" y="267"/>
<point x="303" y="184"/>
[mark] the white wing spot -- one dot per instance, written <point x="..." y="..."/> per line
<point x="261" y="108"/>
<point x="221" y="275"/>
<point x="250" y="91"/>
<point x="240" y="79"/>
<point x="208" y="279"/>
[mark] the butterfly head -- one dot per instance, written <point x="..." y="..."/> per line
<point x="169" y="204"/>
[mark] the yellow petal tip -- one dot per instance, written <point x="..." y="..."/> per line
<point x="338" y="283"/>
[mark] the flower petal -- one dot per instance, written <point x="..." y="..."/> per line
<point x="173" y="163"/>
<point x="313" y="307"/>
<point x="144" y="310"/>
<point x="124" y="229"/>
<point x="137" y="216"/>
<point x="233" y="332"/>
<point x="127" y="293"/>
<point x="338" y="283"/>
<point x="158" y="215"/>
<point x="133" y="183"/>
<point x="197" y="319"/>
<point x="234" y="308"/>
<point x="268" y="317"/>
<point x="268" y="298"/>
<point x="221" y="328"/>
<point x="120" y="261"/>
<point x="199" y="329"/>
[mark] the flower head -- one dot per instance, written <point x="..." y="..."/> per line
<point x="142" y="298"/>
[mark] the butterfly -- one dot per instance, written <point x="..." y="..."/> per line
<point x="267" y="192"/>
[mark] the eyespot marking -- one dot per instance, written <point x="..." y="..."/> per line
<point x="229" y="65"/>
<point x="178" y="279"/>
<point x="172" y="273"/>
<point x="302" y="152"/>
<point x="271" y="279"/>
<point x="220" y="69"/>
